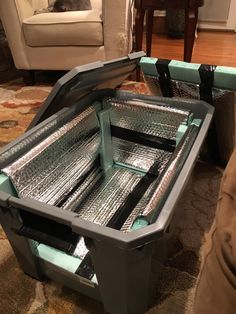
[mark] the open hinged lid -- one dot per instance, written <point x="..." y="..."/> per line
<point x="85" y="79"/>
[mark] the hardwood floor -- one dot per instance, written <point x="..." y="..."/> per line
<point x="217" y="48"/>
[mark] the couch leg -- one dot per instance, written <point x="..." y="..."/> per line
<point x="28" y="77"/>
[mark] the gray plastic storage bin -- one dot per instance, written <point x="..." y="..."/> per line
<point x="86" y="192"/>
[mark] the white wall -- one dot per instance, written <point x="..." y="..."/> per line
<point x="217" y="15"/>
<point x="214" y="11"/>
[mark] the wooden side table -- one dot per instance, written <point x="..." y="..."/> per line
<point x="148" y="7"/>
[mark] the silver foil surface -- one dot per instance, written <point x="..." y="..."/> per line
<point x="224" y="104"/>
<point x="146" y="118"/>
<point x="140" y="207"/>
<point x="36" y="135"/>
<point x="81" y="249"/>
<point x="138" y="156"/>
<point x="83" y="190"/>
<point x="185" y="89"/>
<point x="61" y="170"/>
<point x="180" y="89"/>
<point x="188" y="90"/>
<point x="52" y="168"/>
<point x="108" y="195"/>
<point x="164" y="182"/>
<point x="153" y="84"/>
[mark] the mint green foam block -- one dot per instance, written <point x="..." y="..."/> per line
<point x="180" y="132"/>
<point x="148" y="66"/>
<point x="106" y="142"/>
<point x="139" y="223"/>
<point x="184" y="71"/>
<point x="6" y="185"/>
<point x="225" y="78"/>
<point x="196" y="122"/>
<point x="60" y="259"/>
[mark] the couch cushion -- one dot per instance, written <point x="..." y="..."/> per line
<point x="77" y="28"/>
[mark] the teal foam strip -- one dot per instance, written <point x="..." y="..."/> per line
<point x="133" y="169"/>
<point x="106" y="142"/>
<point x="97" y="105"/>
<point x="6" y="185"/>
<point x="181" y="130"/>
<point x="225" y="78"/>
<point x="190" y="119"/>
<point x="140" y="222"/>
<point x="148" y="66"/>
<point x="196" y="122"/>
<point x="183" y="71"/>
<point x="60" y="259"/>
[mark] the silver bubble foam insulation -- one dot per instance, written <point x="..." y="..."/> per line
<point x="144" y="118"/>
<point x="138" y="156"/>
<point x="53" y="167"/>
<point x="61" y="169"/>
<point x="154" y="197"/>
<point x="147" y="118"/>
<point x="108" y="195"/>
<point x="105" y="198"/>
<point x="223" y="102"/>
<point x="179" y="88"/>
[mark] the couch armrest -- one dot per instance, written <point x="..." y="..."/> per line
<point x="24" y="8"/>
<point x="117" y="21"/>
<point x="12" y="13"/>
<point x="96" y="5"/>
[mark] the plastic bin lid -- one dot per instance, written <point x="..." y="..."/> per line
<point x="84" y="79"/>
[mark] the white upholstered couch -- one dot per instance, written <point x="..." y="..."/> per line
<point x="61" y="41"/>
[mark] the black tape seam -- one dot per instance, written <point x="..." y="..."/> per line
<point x="143" y="139"/>
<point x="94" y="166"/>
<point x="48" y="232"/>
<point x="86" y="268"/>
<point x="206" y="73"/>
<point x="162" y="67"/>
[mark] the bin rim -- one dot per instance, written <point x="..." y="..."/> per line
<point x="135" y="238"/>
<point x="139" y="237"/>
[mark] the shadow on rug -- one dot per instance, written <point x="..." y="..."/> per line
<point x="172" y="281"/>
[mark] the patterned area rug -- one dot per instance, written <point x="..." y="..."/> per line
<point x="172" y="282"/>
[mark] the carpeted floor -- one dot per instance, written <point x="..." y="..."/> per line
<point x="172" y="283"/>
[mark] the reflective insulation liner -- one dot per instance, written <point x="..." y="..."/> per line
<point x="66" y="169"/>
<point x="138" y="156"/>
<point x="108" y="195"/>
<point x="48" y="171"/>
<point x="146" y="118"/>
<point x="148" y="208"/>
<point x="179" y="88"/>
<point x="143" y="132"/>
<point x="224" y="102"/>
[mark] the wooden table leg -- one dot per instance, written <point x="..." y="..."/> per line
<point x="149" y="27"/>
<point x="139" y="20"/>
<point x="191" y="16"/>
